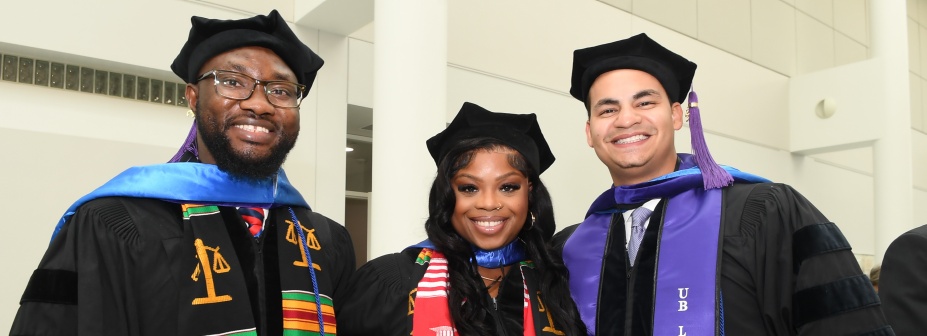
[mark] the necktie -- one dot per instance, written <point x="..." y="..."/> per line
<point x="254" y="217"/>
<point x="638" y="217"/>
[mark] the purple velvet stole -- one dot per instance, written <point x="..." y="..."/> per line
<point x="686" y="297"/>
<point x="583" y="254"/>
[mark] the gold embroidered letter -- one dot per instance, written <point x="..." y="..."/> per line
<point x="412" y="301"/>
<point x="550" y="319"/>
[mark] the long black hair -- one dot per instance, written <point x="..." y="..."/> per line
<point x="465" y="283"/>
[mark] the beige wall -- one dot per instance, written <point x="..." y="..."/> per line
<point x="917" y="62"/>
<point x="786" y="36"/>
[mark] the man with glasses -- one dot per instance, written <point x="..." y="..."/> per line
<point x="216" y="241"/>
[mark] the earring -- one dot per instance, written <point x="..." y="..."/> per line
<point x="532" y="222"/>
<point x="190" y="113"/>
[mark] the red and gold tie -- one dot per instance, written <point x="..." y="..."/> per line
<point x="254" y="217"/>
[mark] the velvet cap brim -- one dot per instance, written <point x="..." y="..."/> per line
<point x="210" y="37"/>
<point x="519" y="131"/>
<point x="639" y="52"/>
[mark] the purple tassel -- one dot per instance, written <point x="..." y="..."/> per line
<point x="713" y="175"/>
<point x="189" y="145"/>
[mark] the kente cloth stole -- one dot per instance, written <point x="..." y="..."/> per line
<point x="431" y="314"/>
<point x="687" y="289"/>
<point x="214" y="297"/>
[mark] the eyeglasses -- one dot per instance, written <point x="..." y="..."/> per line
<point x="238" y="86"/>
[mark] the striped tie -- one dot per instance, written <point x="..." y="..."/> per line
<point x="254" y="217"/>
<point x="638" y="217"/>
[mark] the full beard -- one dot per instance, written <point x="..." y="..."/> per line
<point x="244" y="165"/>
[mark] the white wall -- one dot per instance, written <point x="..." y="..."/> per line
<point x="920" y="211"/>
<point x="60" y="145"/>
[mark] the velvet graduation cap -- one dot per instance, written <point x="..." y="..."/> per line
<point x="519" y="131"/>
<point x="675" y="74"/>
<point x="210" y="37"/>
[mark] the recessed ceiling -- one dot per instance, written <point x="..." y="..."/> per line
<point x="360" y="121"/>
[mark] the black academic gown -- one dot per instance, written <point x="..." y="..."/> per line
<point x="381" y="299"/>
<point x="785" y="270"/>
<point x="903" y="283"/>
<point x="119" y="266"/>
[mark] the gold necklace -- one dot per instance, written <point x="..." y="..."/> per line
<point x="492" y="282"/>
<point x="491" y="279"/>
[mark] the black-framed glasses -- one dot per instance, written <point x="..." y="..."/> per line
<point x="238" y="86"/>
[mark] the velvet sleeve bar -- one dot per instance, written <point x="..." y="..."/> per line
<point x="788" y="270"/>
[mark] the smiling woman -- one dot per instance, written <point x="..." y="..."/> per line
<point x="490" y="217"/>
<point x="492" y="198"/>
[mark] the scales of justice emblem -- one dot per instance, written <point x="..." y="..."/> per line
<point x="208" y="268"/>
<point x="293" y="237"/>
<point x="218" y="266"/>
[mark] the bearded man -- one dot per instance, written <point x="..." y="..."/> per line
<point x="216" y="241"/>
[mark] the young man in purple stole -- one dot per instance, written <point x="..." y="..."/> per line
<point x="682" y="246"/>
